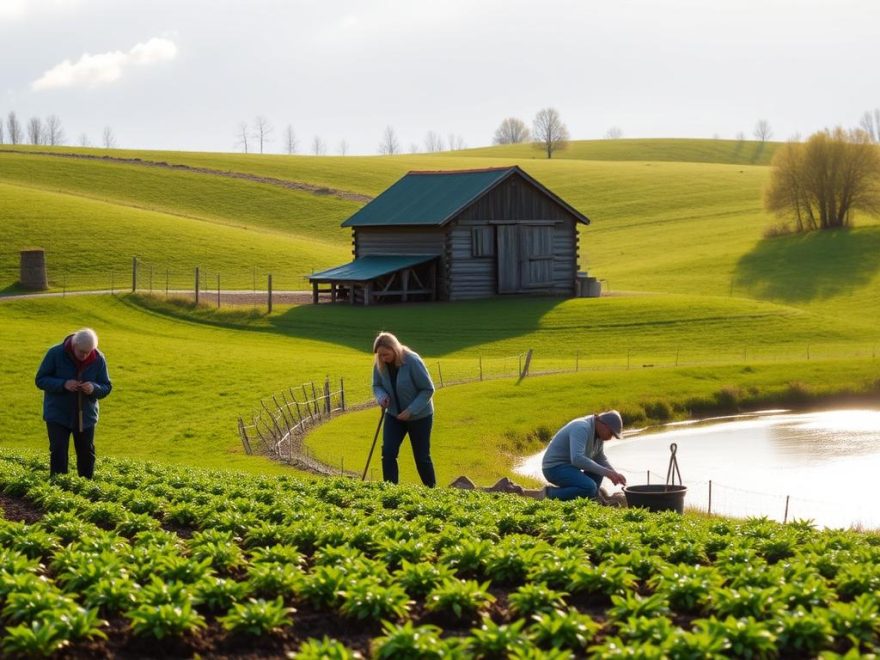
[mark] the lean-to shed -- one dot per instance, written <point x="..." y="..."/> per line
<point x="457" y="235"/>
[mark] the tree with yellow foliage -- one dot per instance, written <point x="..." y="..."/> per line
<point x="819" y="183"/>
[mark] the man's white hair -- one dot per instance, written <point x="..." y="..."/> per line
<point x="85" y="339"/>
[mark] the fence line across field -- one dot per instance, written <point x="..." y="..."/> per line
<point x="716" y="498"/>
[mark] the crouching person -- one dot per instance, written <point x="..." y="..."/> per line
<point x="575" y="461"/>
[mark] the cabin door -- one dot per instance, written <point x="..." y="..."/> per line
<point x="508" y="259"/>
<point x="525" y="257"/>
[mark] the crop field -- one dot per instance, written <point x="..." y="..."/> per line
<point x="179" y="561"/>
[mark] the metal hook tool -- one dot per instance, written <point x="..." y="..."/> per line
<point x="672" y="471"/>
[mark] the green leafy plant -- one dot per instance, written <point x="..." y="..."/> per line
<point x="165" y="620"/>
<point x="324" y="649"/>
<point x="603" y="580"/>
<point x="463" y="600"/>
<point x="563" y="630"/>
<point x="532" y="599"/>
<point x="492" y="640"/>
<point x="409" y="642"/>
<point x="419" y="579"/>
<point x="632" y="605"/>
<point x="257" y="617"/>
<point x="803" y="633"/>
<point x="368" y="599"/>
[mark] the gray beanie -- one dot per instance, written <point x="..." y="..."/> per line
<point x="611" y="418"/>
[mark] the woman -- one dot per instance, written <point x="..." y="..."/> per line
<point x="404" y="389"/>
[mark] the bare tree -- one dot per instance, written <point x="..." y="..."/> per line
<point x="84" y="140"/>
<point x="389" y="144"/>
<point x="615" y="133"/>
<point x="108" y="139"/>
<point x="870" y="123"/>
<point x="318" y="146"/>
<point x="433" y="142"/>
<point x="762" y="131"/>
<point x="820" y="182"/>
<point x="1" y="132"/>
<point x="35" y="130"/>
<point x="511" y="131"/>
<point x="413" y="148"/>
<point x="455" y="142"/>
<point x="54" y="133"/>
<point x="343" y="147"/>
<point x="242" y="136"/>
<point x="548" y="131"/>
<point x="13" y="127"/>
<point x="290" y="140"/>
<point x="262" y="131"/>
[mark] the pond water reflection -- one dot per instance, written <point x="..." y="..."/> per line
<point x="826" y="464"/>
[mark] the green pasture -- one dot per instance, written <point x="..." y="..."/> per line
<point x="183" y="376"/>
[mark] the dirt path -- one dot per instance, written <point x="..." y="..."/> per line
<point x="272" y="181"/>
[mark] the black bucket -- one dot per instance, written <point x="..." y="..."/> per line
<point x="656" y="497"/>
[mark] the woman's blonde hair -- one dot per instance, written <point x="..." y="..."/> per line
<point x="389" y="341"/>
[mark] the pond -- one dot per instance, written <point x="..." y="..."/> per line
<point x="821" y="466"/>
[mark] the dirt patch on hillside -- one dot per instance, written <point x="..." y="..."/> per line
<point x="268" y="180"/>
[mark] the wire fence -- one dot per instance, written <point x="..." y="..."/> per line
<point x="832" y="510"/>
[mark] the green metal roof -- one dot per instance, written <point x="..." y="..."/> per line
<point x="367" y="268"/>
<point x="427" y="198"/>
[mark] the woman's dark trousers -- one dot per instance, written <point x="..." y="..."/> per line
<point x="83" y="443"/>
<point x="419" y="436"/>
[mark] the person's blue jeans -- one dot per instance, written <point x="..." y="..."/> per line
<point x="570" y="482"/>
<point x="59" y="442"/>
<point x="419" y="436"/>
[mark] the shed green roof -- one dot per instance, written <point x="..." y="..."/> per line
<point x="434" y="198"/>
<point x="370" y="267"/>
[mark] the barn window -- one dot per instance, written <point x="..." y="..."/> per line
<point x="482" y="243"/>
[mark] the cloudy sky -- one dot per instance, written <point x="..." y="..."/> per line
<point x="185" y="74"/>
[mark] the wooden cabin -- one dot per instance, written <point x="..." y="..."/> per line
<point x="458" y="235"/>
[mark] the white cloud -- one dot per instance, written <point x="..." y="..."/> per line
<point x="18" y="9"/>
<point x="105" y="68"/>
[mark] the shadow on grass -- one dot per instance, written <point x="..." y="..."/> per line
<point x="805" y="267"/>
<point x="431" y="328"/>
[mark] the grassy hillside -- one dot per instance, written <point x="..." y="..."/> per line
<point x="678" y="245"/>
<point x="90" y="244"/>
<point x="745" y="152"/>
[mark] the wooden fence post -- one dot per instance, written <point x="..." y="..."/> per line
<point x="525" y="368"/>
<point x="785" y="518"/>
<point x="270" y="293"/>
<point x="342" y="394"/>
<point x="440" y="373"/>
<point x="134" y="274"/>
<point x="197" y="285"/>
<point x="244" y="437"/>
<point x="218" y="290"/>
<point x="327" y="405"/>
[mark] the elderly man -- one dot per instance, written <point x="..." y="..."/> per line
<point x="73" y="376"/>
<point x="575" y="461"/>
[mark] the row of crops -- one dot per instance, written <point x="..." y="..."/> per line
<point x="151" y="560"/>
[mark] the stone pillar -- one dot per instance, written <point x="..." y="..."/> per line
<point x="32" y="274"/>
